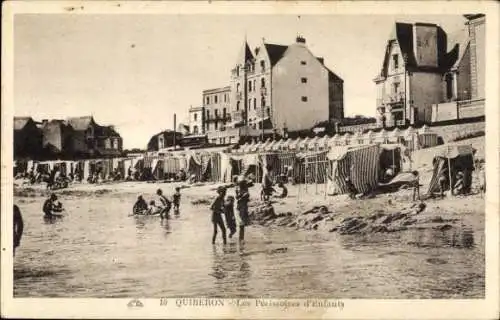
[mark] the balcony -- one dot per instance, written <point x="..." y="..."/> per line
<point x="394" y="98"/>
<point x="263" y="91"/>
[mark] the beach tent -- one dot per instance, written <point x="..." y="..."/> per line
<point x="357" y="138"/>
<point x="449" y="161"/>
<point x="391" y="157"/>
<point x="269" y="146"/>
<point x="382" y="136"/>
<point x="312" y="167"/>
<point x="293" y="144"/>
<point x="359" y="163"/>
<point x="369" y="137"/>
<point x="312" y="144"/>
<point x="302" y="145"/>
<point x="347" y="139"/>
<point x="286" y="144"/>
<point x="426" y="137"/>
<point x="410" y="138"/>
<point x="277" y="145"/>
<point x="394" y="136"/>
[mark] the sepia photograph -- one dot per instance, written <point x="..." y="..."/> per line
<point x="287" y="159"/>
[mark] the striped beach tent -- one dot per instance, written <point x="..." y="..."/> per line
<point x="312" y="144"/>
<point x="286" y="144"/>
<point x="426" y="137"/>
<point x="276" y="145"/>
<point x="269" y="146"/>
<point x="359" y="163"/>
<point x="323" y="142"/>
<point x="302" y="145"/>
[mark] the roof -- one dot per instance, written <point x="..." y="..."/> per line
<point x="215" y="90"/>
<point x="402" y="34"/>
<point x="275" y="52"/>
<point x="20" y="122"/>
<point x="245" y="54"/>
<point x="80" y="123"/>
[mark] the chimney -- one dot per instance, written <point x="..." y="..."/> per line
<point x="425" y="44"/>
<point x="300" y="39"/>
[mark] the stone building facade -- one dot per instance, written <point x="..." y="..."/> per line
<point x="273" y="89"/>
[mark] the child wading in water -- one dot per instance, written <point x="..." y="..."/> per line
<point x="229" y="212"/>
<point x="242" y="199"/>
<point x="217" y="208"/>
<point x="177" y="200"/>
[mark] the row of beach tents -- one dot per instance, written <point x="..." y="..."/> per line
<point x="412" y="138"/>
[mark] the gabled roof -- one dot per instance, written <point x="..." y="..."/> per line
<point x="245" y="53"/>
<point x="275" y="52"/>
<point x="402" y="34"/>
<point x="20" y="122"/>
<point x="80" y="123"/>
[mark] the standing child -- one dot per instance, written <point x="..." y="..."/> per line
<point x="217" y="208"/>
<point x="416" y="185"/>
<point x="242" y="199"/>
<point x="229" y="212"/>
<point x="177" y="200"/>
<point x="164" y="204"/>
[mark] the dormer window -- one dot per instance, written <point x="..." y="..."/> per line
<point x="395" y="61"/>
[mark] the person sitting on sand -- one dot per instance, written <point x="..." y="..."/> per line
<point x="51" y="206"/>
<point x="229" y="213"/>
<point x="351" y="189"/>
<point x="140" y="206"/>
<point x="284" y="190"/>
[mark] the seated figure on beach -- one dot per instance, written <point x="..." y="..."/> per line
<point x="351" y="188"/>
<point x="284" y="190"/>
<point x="140" y="206"/>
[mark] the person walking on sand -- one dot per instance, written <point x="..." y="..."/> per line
<point x="267" y="183"/>
<point x="51" y="205"/>
<point x="18" y="227"/>
<point x="242" y="199"/>
<point x="217" y="208"/>
<point x="229" y="213"/>
<point x="416" y="185"/>
<point x="164" y="204"/>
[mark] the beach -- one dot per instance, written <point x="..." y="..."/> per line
<point x="312" y="245"/>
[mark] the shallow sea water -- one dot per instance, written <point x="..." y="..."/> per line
<point x="97" y="250"/>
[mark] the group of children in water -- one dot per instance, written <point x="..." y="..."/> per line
<point x="162" y="206"/>
<point x="223" y="205"/>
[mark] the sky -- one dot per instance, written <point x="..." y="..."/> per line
<point x="136" y="71"/>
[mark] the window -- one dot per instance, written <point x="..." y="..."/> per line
<point x="207" y="100"/>
<point x="237" y="87"/>
<point x="224" y="112"/>
<point x="262" y="83"/>
<point x="395" y="87"/>
<point x="254" y="103"/>
<point x="395" y="61"/>
<point x="303" y="80"/>
<point x="208" y="114"/>
<point x="304" y="99"/>
<point x="195" y="129"/>
<point x="249" y="86"/>
<point x="195" y="116"/>
<point x="215" y="99"/>
<point x="260" y="125"/>
<point x="263" y="65"/>
<point x="216" y="125"/>
<point x="216" y="112"/>
<point x="254" y="86"/>
<point x="237" y="71"/>
<point x="263" y="102"/>
<point x="237" y="106"/>
<point x="249" y="102"/>
<point x="268" y="111"/>
<point x="303" y="62"/>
